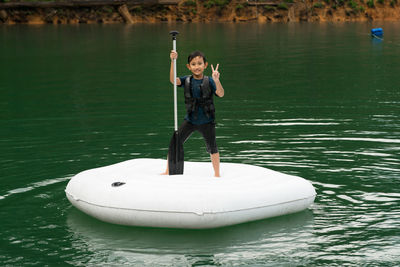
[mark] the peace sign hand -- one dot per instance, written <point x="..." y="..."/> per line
<point x="215" y="72"/>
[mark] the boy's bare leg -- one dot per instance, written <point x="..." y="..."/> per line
<point x="215" y="163"/>
<point x="167" y="170"/>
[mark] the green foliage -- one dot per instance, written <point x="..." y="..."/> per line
<point x="393" y="3"/>
<point x="352" y="4"/>
<point x="194" y="11"/>
<point x="340" y="2"/>
<point x="269" y="8"/>
<point x="239" y="7"/>
<point x="362" y="9"/>
<point x="219" y="3"/>
<point x="381" y="1"/>
<point x="222" y="3"/>
<point x="189" y="3"/>
<point x="209" y="4"/>
<point x="107" y="9"/>
<point x="318" y="5"/>
<point x="327" y="1"/>
<point x="289" y="1"/>
<point x="370" y="3"/>
<point x="334" y="6"/>
<point x="283" y="6"/>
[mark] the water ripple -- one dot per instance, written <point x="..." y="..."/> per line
<point x="33" y="186"/>
<point x="375" y="140"/>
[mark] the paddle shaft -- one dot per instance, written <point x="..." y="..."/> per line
<point x="175" y="87"/>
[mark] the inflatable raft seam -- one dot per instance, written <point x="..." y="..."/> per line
<point x="197" y="213"/>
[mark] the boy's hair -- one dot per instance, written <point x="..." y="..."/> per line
<point x="196" y="54"/>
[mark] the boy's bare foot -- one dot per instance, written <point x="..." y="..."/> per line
<point x="215" y="163"/>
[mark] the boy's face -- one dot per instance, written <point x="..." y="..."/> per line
<point x="197" y="66"/>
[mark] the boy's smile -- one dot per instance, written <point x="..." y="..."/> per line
<point x="197" y="67"/>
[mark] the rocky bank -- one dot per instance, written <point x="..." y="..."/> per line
<point x="207" y="11"/>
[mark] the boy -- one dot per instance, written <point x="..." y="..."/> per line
<point x="199" y="91"/>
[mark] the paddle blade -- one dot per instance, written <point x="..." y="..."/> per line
<point x="175" y="155"/>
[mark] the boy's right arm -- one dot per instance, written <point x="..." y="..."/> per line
<point x="173" y="55"/>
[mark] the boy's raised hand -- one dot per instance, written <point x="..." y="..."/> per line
<point x="173" y="55"/>
<point x="215" y="72"/>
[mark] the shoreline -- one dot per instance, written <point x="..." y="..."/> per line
<point x="194" y="11"/>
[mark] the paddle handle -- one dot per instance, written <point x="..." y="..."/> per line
<point x="174" y="34"/>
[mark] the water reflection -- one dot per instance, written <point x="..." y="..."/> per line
<point x="106" y="242"/>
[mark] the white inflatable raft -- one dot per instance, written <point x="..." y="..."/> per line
<point x="134" y="193"/>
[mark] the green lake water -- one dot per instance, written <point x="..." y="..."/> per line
<point x="321" y="101"/>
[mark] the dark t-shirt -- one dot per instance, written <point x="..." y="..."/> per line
<point x="201" y="116"/>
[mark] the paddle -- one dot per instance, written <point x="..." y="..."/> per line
<point x="175" y="152"/>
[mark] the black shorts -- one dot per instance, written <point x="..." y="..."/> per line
<point x="207" y="131"/>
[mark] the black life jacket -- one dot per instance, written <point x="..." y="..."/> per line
<point x="205" y="101"/>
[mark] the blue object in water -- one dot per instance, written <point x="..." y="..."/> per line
<point x="377" y="32"/>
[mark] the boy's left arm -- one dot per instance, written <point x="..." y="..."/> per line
<point x="215" y="74"/>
